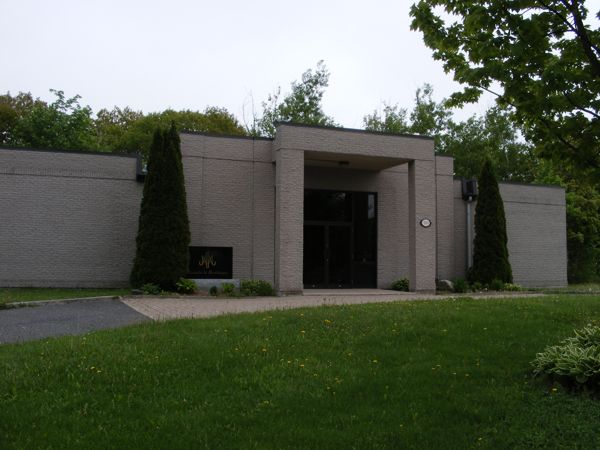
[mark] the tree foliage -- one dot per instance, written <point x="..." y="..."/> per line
<point x="65" y="124"/>
<point x="490" y="249"/>
<point x="302" y="105"/>
<point x="62" y="124"/>
<point x="128" y="130"/>
<point x="163" y="237"/>
<point x="541" y="58"/>
<point x="492" y="136"/>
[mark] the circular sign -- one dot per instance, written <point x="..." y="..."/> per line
<point x="426" y="223"/>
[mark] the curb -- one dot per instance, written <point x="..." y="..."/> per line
<point x="13" y="305"/>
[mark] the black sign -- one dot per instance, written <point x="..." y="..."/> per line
<point x="211" y="262"/>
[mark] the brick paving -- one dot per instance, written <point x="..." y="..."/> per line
<point x="160" y="308"/>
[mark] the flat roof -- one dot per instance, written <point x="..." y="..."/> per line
<point x="353" y="130"/>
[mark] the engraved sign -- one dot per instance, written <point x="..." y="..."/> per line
<point x="211" y="262"/>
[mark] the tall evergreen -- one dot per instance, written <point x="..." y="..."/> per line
<point x="163" y="231"/>
<point x="490" y="254"/>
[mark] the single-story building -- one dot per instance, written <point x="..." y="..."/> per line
<point x="314" y="207"/>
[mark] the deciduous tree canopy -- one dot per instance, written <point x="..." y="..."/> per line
<point x="540" y="57"/>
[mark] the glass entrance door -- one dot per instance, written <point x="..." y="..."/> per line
<point x="339" y="239"/>
<point x="327" y="256"/>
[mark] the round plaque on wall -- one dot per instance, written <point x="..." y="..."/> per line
<point x="426" y="223"/>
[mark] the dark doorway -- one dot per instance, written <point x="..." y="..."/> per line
<point x="340" y="239"/>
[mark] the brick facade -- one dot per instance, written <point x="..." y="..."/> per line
<point x="70" y="219"/>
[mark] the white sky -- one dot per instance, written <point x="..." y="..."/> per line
<point x="184" y="54"/>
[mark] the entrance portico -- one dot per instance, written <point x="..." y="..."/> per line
<point x="400" y="170"/>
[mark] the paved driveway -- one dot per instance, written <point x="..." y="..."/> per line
<point x="64" y="318"/>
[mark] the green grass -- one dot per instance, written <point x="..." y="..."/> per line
<point x="447" y="374"/>
<point x="580" y="288"/>
<point x="10" y="295"/>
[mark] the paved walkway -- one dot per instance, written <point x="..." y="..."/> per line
<point x="158" y="308"/>
<point x="58" y="318"/>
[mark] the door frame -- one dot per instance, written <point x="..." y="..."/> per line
<point x="327" y="224"/>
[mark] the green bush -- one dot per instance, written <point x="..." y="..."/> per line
<point x="496" y="285"/>
<point x="476" y="286"/>
<point x="163" y="235"/>
<point x="228" y="288"/>
<point x="256" y="288"/>
<point x="185" y="286"/>
<point x="213" y="291"/>
<point x="512" y="287"/>
<point x="400" y="285"/>
<point x="575" y="361"/>
<point x="461" y="285"/>
<point x="490" y="249"/>
<point x="151" y="289"/>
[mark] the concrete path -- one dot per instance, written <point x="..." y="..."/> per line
<point x="64" y="318"/>
<point x="177" y="308"/>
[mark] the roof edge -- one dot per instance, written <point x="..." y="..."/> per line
<point x="229" y="136"/>
<point x="74" y="152"/>
<point x="352" y="130"/>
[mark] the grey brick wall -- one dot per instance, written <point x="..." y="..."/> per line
<point x="230" y="186"/>
<point x="536" y="228"/>
<point x="67" y="219"/>
<point x="70" y="219"/>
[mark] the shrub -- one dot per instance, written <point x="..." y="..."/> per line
<point x="575" y="361"/>
<point x="490" y="250"/>
<point x="476" y="286"/>
<point x="400" y="285"/>
<point x="213" y="291"/>
<point x="151" y="289"/>
<point x="512" y="287"/>
<point x="461" y="285"/>
<point x="228" y="288"/>
<point x="256" y="288"/>
<point x="496" y="285"/>
<point x="185" y="286"/>
<point x="163" y="235"/>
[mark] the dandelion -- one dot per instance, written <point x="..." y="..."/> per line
<point x="302" y="366"/>
<point x="375" y="361"/>
<point x="264" y="349"/>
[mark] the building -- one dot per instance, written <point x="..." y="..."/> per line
<point x="314" y="207"/>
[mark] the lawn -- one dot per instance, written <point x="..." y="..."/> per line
<point x="449" y="374"/>
<point x="10" y="295"/>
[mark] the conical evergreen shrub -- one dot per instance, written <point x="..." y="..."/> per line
<point x="490" y="253"/>
<point x="162" y="254"/>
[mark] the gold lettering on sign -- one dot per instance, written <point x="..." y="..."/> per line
<point x="207" y="261"/>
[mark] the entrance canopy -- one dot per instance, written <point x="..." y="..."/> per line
<point x="331" y="259"/>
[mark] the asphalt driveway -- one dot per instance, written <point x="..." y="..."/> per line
<point x="65" y="318"/>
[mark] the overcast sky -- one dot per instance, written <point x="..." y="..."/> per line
<point x="184" y="54"/>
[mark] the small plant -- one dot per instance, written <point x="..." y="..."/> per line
<point x="151" y="289"/>
<point x="512" y="287"/>
<point x="496" y="285"/>
<point x="213" y="291"/>
<point x="476" y="286"/>
<point x="575" y="361"/>
<point x="228" y="288"/>
<point x="256" y="288"/>
<point x="185" y="286"/>
<point x="400" y="285"/>
<point x="461" y="285"/>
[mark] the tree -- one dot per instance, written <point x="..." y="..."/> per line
<point x="490" y="250"/>
<point x="302" y="105"/>
<point x="163" y="238"/>
<point x="128" y="130"/>
<point x="492" y="136"/>
<point x="541" y="58"/>
<point x="63" y="124"/>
